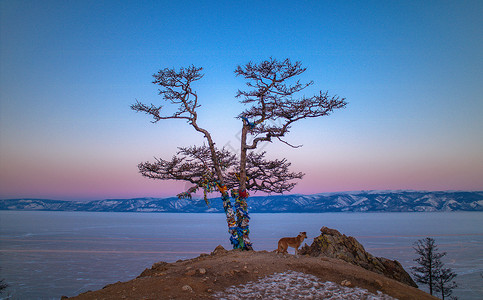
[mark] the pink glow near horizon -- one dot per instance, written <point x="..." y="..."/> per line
<point x="319" y="179"/>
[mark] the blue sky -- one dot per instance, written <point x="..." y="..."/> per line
<point x="412" y="72"/>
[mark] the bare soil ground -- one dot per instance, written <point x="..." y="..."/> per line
<point x="201" y="277"/>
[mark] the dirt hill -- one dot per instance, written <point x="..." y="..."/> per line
<point x="204" y="276"/>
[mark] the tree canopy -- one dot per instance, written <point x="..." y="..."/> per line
<point x="273" y="106"/>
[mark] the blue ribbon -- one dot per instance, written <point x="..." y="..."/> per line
<point x="252" y="125"/>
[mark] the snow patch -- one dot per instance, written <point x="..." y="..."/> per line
<point x="33" y="206"/>
<point x="296" y="285"/>
<point x="109" y="203"/>
<point x="341" y="202"/>
<point x="150" y="210"/>
<point x="363" y="199"/>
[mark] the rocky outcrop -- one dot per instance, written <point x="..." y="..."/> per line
<point x="332" y="243"/>
<point x="219" y="250"/>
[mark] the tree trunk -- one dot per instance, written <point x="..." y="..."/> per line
<point x="241" y="196"/>
<point x="235" y="236"/>
<point x="243" y="157"/>
<point x="230" y="220"/>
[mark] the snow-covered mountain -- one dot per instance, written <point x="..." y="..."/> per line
<point x="364" y="201"/>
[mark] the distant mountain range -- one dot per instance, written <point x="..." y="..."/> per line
<point x="364" y="201"/>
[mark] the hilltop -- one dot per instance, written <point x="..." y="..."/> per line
<point x="209" y="274"/>
<point x="334" y="265"/>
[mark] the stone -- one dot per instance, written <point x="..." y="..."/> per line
<point x="346" y="283"/>
<point x="202" y="271"/>
<point x="219" y="250"/>
<point x="234" y="272"/>
<point x="190" y="273"/>
<point x="155" y="269"/>
<point x="379" y="284"/>
<point x="159" y="265"/>
<point x="187" y="288"/>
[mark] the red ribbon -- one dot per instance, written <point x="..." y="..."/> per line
<point x="243" y="194"/>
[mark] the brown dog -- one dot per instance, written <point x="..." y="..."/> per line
<point x="294" y="242"/>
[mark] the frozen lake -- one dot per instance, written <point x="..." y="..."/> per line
<point x="44" y="255"/>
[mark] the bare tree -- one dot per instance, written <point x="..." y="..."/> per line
<point x="430" y="269"/>
<point x="175" y="88"/>
<point x="429" y="262"/>
<point x="273" y="110"/>
<point x="444" y="282"/>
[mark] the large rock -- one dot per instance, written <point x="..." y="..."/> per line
<point x="333" y="244"/>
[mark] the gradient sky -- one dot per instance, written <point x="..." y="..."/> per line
<point x="412" y="72"/>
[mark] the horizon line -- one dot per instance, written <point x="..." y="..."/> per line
<point x="252" y="196"/>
